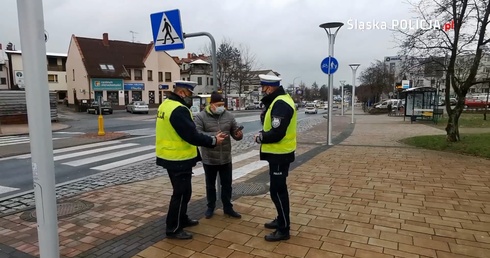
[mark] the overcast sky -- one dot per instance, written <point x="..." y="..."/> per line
<point x="283" y="34"/>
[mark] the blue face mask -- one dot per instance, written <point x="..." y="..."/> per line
<point x="219" y="110"/>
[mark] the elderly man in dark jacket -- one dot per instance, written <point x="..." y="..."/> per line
<point x="213" y="119"/>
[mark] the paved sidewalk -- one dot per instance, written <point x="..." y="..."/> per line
<point x="369" y="196"/>
<point x="20" y="129"/>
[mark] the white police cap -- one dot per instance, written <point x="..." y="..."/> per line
<point x="190" y="85"/>
<point x="269" y="80"/>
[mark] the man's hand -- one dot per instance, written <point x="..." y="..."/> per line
<point x="238" y="134"/>
<point x="258" y="138"/>
<point x="220" y="137"/>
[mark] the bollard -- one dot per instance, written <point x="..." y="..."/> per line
<point x="101" y="125"/>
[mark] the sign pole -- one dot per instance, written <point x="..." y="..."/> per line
<point x="31" y="26"/>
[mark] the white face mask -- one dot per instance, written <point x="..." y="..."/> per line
<point x="219" y="110"/>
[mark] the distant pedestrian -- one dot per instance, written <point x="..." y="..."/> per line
<point x="278" y="146"/>
<point x="390" y="108"/>
<point x="176" y="141"/>
<point x="217" y="161"/>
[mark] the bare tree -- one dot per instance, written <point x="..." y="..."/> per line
<point x="243" y="75"/>
<point x="461" y="41"/>
<point x="377" y="79"/>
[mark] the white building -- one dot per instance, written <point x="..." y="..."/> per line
<point x="118" y="71"/>
<point x="13" y="72"/>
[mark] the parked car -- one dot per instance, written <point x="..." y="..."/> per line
<point x="106" y="107"/>
<point x="325" y="106"/>
<point x="311" y="109"/>
<point x="251" y="107"/>
<point x="476" y="103"/>
<point x="137" y="107"/>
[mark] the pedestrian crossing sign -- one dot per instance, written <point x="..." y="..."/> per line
<point x="167" y="30"/>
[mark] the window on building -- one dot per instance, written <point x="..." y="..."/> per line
<point x="168" y="76"/>
<point x="160" y="76"/>
<point x="1" y="68"/>
<point x="73" y="72"/>
<point x="138" y="74"/>
<point x="199" y="80"/>
<point x="207" y="80"/>
<point x="211" y="81"/>
<point x="150" y="75"/>
<point x="106" y="67"/>
<point x="52" y="78"/>
<point x="129" y="73"/>
<point x="3" y="81"/>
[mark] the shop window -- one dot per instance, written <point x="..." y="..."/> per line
<point x="150" y="75"/>
<point x="160" y="76"/>
<point x="138" y="74"/>
<point x="199" y="80"/>
<point x="113" y="97"/>
<point x="3" y="81"/>
<point x="52" y="78"/>
<point x="136" y="96"/>
<point x="168" y="76"/>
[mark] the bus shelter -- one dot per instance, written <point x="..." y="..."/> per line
<point x="421" y="103"/>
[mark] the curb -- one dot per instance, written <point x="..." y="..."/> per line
<point x="55" y="130"/>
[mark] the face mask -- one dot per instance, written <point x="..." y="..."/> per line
<point x="188" y="101"/>
<point x="219" y="110"/>
<point x="264" y="92"/>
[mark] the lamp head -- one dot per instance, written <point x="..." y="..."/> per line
<point x="354" y="66"/>
<point x="330" y="25"/>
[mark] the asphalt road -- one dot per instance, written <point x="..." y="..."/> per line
<point x="80" y="161"/>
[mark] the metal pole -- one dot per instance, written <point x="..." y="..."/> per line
<point x="213" y="53"/>
<point x="354" y="69"/>
<point x="342" y="101"/>
<point x="215" y="83"/>
<point x="331" y="40"/>
<point x="31" y="27"/>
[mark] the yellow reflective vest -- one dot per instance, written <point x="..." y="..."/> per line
<point x="169" y="145"/>
<point x="288" y="143"/>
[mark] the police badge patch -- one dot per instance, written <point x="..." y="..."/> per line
<point x="276" y="122"/>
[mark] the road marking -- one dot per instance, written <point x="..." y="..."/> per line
<point x="142" y="131"/>
<point x="81" y="162"/>
<point x="16" y="140"/>
<point x="69" y="132"/>
<point x="83" y="153"/>
<point x="6" y="189"/>
<point x="247" y="119"/>
<point x="124" y="162"/>
<point x="241" y="157"/>
<point x="244" y="170"/>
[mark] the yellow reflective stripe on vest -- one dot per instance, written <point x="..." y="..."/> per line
<point x="169" y="145"/>
<point x="288" y="143"/>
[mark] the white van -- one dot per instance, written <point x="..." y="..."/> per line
<point x="384" y="104"/>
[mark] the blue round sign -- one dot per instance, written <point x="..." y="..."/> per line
<point x="329" y="65"/>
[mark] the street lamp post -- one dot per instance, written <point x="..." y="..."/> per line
<point x="354" y="69"/>
<point x="294" y="85"/>
<point x="342" y="96"/>
<point x="331" y="42"/>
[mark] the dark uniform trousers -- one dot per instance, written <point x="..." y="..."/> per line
<point x="225" y="175"/>
<point x="182" y="190"/>
<point x="279" y="194"/>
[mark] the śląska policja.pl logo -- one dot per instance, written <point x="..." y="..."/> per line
<point x="354" y="24"/>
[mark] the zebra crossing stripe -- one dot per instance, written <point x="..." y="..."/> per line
<point x="241" y="157"/>
<point x="83" y="153"/>
<point x="6" y="189"/>
<point x="81" y="162"/>
<point x="124" y="162"/>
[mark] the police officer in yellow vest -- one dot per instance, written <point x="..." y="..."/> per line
<point x="176" y="150"/>
<point x="278" y="145"/>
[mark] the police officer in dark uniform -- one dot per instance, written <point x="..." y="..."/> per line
<point x="176" y="150"/>
<point x="278" y="146"/>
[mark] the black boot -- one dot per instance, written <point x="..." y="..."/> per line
<point x="190" y="223"/>
<point x="276" y="236"/>
<point x="232" y="213"/>
<point x="181" y="234"/>
<point x="271" y="225"/>
<point x="209" y="213"/>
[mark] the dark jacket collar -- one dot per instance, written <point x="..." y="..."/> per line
<point x="267" y="100"/>
<point x="173" y="96"/>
